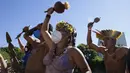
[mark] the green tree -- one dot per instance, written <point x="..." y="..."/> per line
<point x="96" y="62"/>
<point x="5" y="53"/>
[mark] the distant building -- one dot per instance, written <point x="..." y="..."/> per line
<point x="121" y="41"/>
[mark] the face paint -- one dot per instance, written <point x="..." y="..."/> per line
<point x="56" y="36"/>
<point x="36" y="33"/>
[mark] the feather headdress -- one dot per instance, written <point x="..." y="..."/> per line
<point x="107" y="33"/>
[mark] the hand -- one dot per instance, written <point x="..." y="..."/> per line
<point x="50" y="11"/>
<point x="18" y="36"/>
<point x="90" y="25"/>
<point x="26" y="28"/>
<point x="39" y="26"/>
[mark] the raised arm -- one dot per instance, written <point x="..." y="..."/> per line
<point x="21" y="45"/>
<point x="89" y="40"/>
<point x="45" y="27"/>
<point x="28" y="34"/>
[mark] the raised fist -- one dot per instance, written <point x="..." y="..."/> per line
<point x="90" y="25"/>
<point x="50" y="11"/>
<point x="26" y="28"/>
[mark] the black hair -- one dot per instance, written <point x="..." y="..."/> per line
<point x="72" y="39"/>
<point x="29" y="47"/>
<point x="50" y="28"/>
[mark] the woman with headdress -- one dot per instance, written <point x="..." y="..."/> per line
<point x="114" y="57"/>
<point x="62" y="56"/>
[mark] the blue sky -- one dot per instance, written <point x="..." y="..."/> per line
<point x="15" y="14"/>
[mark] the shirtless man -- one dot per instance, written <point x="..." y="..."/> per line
<point x="114" y="57"/>
<point x="35" y="61"/>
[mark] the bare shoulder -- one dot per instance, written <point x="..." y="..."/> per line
<point x="75" y="51"/>
<point x="123" y="49"/>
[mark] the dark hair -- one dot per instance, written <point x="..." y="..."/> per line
<point x="50" y="28"/>
<point x="72" y="39"/>
<point x="29" y="47"/>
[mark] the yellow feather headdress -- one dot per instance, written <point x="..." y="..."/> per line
<point x="108" y="33"/>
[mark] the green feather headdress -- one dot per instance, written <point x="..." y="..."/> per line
<point x="65" y="26"/>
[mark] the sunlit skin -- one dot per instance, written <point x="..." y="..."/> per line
<point x="34" y="63"/>
<point x="114" y="57"/>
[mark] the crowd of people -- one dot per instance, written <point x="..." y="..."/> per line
<point x="55" y="51"/>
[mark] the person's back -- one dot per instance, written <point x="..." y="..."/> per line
<point x="35" y="61"/>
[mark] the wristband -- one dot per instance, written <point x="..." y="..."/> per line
<point x="48" y="15"/>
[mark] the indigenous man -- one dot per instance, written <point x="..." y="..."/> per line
<point x="114" y="57"/>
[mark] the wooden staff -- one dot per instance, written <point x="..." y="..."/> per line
<point x="14" y="60"/>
